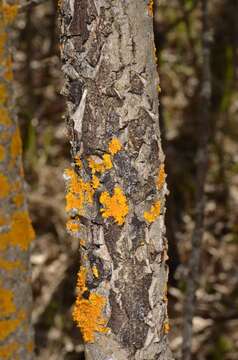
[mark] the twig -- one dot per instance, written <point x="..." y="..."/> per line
<point x="202" y="166"/>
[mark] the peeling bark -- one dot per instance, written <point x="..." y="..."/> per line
<point x="116" y="192"/>
<point x="16" y="233"/>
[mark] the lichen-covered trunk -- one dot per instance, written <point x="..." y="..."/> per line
<point x="116" y="187"/>
<point x="16" y="233"/>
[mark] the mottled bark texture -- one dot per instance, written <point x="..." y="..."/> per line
<point x="116" y="189"/>
<point x="16" y="233"/>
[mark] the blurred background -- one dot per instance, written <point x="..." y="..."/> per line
<point x="55" y="258"/>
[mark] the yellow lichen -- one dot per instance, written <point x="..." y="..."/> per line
<point x="9" y="12"/>
<point x="16" y="186"/>
<point x="7" y="306"/>
<point x="166" y="326"/>
<point x="18" y="199"/>
<point x="8" y="74"/>
<point x="151" y="7"/>
<point x="79" y="192"/>
<point x="10" y="325"/>
<point x="72" y="226"/>
<point x="153" y="213"/>
<point x="16" y="145"/>
<point x="11" y="265"/>
<point x="107" y="161"/>
<point x="4" y="186"/>
<point x="95" y="271"/>
<point x="78" y="161"/>
<point x="160" y="178"/>
<point x="4" y="117"/>
<point x="114" y="206"/>
<point x="20" y="233"/>
<point x="87" y="312"/>
<point x="3" y="39"/>
<point x="2" y="153"/>
<point x="30" y="346"/>
<point x="95" y="182"/>
<point x="2" y="220"/>
<point x="114" y="146"/>
<point x="7" y="351"/>
<point x="82" y="242"/>
<point x="3" y="94"/>
<point x="98" y="165"/>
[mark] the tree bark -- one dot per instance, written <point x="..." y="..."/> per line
<point x="116" y="189"/>
<point x="202" y="159"/>
<point x="16" y="233"/>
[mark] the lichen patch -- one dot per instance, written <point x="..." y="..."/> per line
<point x="114" y="206"/>
<point x="153" y="213"/>
<point x="114" y="146"/>
<point x="87" y="312"/>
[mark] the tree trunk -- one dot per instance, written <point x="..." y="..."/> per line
<point x="116" y="189"/>
<point x="16" y="233"/>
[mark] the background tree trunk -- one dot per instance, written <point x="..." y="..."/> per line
<point x="16" y="233"/>
<point x="116" y="190"/>
<point x="203" y="132"/>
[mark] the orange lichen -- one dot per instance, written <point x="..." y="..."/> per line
<point x="151" y="7"/>
<point x="20" y="234"/>
<point x="72" y="226"/>
<point x="95" y="164"/>
<point x="87" y="312"/>
<point x="82" y="242"/>
<point x="114" y="206"/>
<point x="4" y="117"/>
<point x="16" y="144"/>
<point x="95" y="182"/>
<point x="2" y="220"/>
<point x="98" y="165"/>
<point x="114" y="146"/>
<point x="2" y="153"/>
<point x="10" y="325"/>
<point x="8" y="74"/>
<point x="153" y="213"/>
<point x="95" y="271"/>
<point x="11" y="265"/>
<point x="107" y="161"/>
<point x="7" y="351"/>
<point x="16" y="186"/>
<point x="3" y="39"/>
<point x="4" y="186"/>
<point x="18" y="199"/>
<point x="3" y="94"/>
<point x="9" y="12"/>
<point x="30" y="346"/>
<point x="78" y="161"/>
<point x="7" y="306"/>
<point x="166" y="326"/>
<point x="79" y="192"/>
<point x="160" y="178"/>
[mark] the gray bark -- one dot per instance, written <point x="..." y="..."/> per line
<point x="107" y="50"/>
<point x="16" y="233"/>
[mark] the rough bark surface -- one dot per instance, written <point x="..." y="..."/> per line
<point x="16" y="233"/>
<point x="107" y="50"/>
